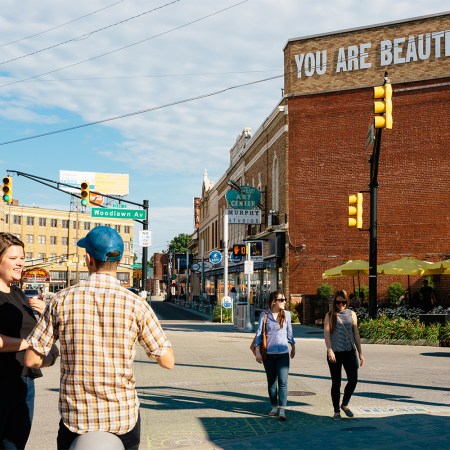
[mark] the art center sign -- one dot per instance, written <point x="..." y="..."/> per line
<point x="247" y="197"/>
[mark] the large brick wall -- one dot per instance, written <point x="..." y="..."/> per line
<point x="328" y="160"/>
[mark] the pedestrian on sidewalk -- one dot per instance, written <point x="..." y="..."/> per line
<point x="17" y="320"/>
<point x="98" y="323"/>
<point x="278" y="329"/>
<point x="341" y="334"/>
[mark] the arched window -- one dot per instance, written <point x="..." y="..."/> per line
<point x="275" y="184"/>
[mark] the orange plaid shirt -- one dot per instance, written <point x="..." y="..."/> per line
<point x="98" y="323"/>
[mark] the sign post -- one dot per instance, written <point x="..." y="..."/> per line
<point x="248" y="327"/>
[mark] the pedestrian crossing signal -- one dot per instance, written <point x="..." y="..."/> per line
<point x="240" y="249"/>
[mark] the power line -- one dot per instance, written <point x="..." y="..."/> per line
<point x="155" y="108"/>
<point x="128" y="46"/>
<point x="87" y="35"/>
<point x="59" y="26"/>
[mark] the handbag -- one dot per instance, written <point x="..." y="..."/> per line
<point x="355" y="350"/>
<point x="263" y="346"/>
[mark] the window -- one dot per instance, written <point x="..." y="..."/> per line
<point x="97" y="224"/>
<point x="126" y="245"/>
<point x="87" y="225"/>
<point x="53" y="223"/>
<point x="74" y="224"/>
<point x="17" y="220"/>
<point x="64" y="224"/>
<point x="64" y="240"/>
<point x="123" y="277"/>
<point x="58" y="275"/>
<point x="126" y="261"/>
<point x="117" y="227"/>
<point x="30" y="220"/>
<point x="41" y="239"/>
<point x="74" y="241"/>
<point x="29" y="239"/>
<point x="52" y="240"/>
<point x="42" y="221"/>
<point x="41" y="256"/>
<point x="275" y="185"/>
<point x="126" y="229"/>
<point x="28" y="256"/>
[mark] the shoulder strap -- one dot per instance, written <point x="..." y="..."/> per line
<point x="346" y="332"/>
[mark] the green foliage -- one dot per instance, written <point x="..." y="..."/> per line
<point x="444" y="332"/>
<point x="362" y="292"/>
<point x="179" y="244"/>
<point x="325" y="291"/>
<point x="391" y="329"/>
<point x="226" y="314"/>
<point x="395" y="291"/>
<point x="430" y="282"/>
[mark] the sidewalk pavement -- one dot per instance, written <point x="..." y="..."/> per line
<point x="216" y="397"/>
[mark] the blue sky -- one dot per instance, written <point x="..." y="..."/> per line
<point x="155" y="53"/>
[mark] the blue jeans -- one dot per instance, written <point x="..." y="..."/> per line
<point x="17" y="412"/>
<point x="277" y="371"/>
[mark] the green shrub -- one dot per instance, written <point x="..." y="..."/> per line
<point x="395" y="291"/>
<point x="325" y="291"/>
<point x="362" y="292"/>
<point x="444" y="332"/>
<point x="226" y="315"/>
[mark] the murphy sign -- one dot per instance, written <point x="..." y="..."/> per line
<point x="410" y="50"/>
<point x="247" y="197"/>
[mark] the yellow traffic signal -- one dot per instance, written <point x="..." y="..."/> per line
<point x="355" y="210"/>
<point x="85" y="195"/>
<point x="7" y="190"/>
<point x="382" y="106"/>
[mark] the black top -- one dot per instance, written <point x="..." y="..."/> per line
<point x="16" y="320"/>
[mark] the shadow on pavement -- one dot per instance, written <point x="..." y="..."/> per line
<point x="238" y="420"/>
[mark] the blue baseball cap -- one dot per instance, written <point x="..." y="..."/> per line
<point x="101" y="241"/>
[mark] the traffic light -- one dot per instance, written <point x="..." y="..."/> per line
<point x="7" y="190"/>
<point x="355" y="210"/>
<point x="85" y="195"/>
<point x="382" y="106"/>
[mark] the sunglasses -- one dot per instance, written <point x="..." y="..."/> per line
<point x="281" y="299"/>
<point x="338" y="302"/>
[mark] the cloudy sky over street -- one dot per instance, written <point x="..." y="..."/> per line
<point x="180" y="78"/>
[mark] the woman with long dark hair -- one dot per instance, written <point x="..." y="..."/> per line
<point x="341" y="334"/>
<point x="278" y="329"/>
<point x="17" y="320"/>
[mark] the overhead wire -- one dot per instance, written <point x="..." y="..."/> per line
<point x="87" y="35"/>
<point x="155" y="108"/>
<point x="61" y="25"/>
<point x="129" y="45"/>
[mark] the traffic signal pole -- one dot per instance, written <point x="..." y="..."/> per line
<point x="373" y="243"/>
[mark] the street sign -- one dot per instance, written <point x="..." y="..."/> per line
<point x="145" y="238"/>
<point x="215" y="257"/>
<point x="248" y="267"/>
<point x="227" y="302"/>
<point x="133" y="214"/>
<point x="246" y="216"/>
<point x="235" y="258"/>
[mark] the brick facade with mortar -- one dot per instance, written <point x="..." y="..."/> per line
<point x="329" y="116"/>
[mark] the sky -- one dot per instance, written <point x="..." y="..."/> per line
<point x="172" y="83"/>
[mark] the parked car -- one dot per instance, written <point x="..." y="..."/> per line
<point x="134" y="290"/>
<point x="30" y="293"/>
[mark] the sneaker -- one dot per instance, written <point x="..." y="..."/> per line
<point x="337" y="416"/>
<point x="273" y="411"/>
<point x="282" y="415"/>
<point x="347" y="411"/>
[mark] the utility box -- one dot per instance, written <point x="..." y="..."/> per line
<point x="240" y="315"/>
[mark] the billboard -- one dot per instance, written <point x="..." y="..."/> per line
<point x="106" y="183"/>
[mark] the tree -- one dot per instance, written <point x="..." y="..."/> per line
<point x="179" y="244"/>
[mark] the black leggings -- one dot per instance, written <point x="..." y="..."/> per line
<point x="346" y="359"/>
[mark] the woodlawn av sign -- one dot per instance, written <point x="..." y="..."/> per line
<point x="410" y="50"/>
<point x="116" y="213"/>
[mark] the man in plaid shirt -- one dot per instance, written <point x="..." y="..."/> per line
<point x="98" y="323"/>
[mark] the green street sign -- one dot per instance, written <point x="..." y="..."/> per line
<point x="113" y="213"/>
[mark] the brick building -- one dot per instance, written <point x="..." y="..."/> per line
<point x="312" y="152"/>
<point x="329" y="114"/>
